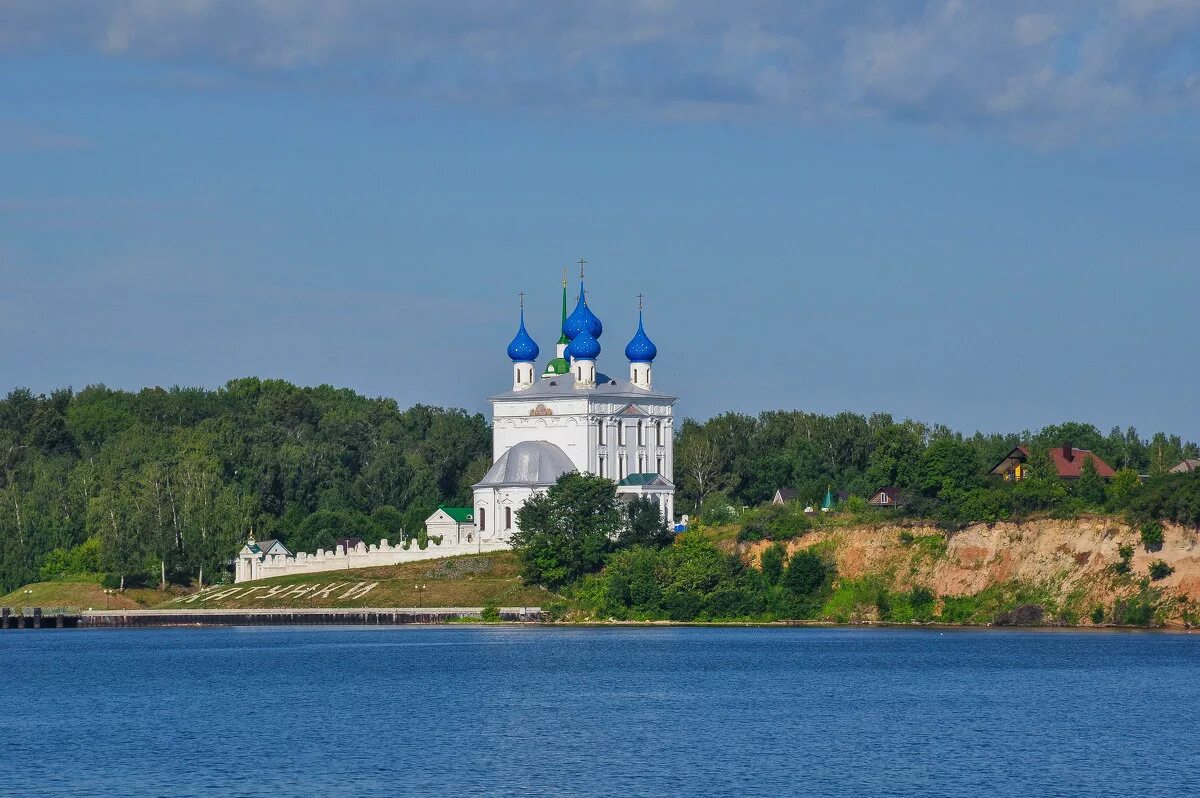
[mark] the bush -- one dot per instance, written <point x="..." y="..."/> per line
<point x="1137" y="610"/>
<point x="1125" y="565"/>
<point x="805" y="573"/>
<point x="1152" y="535"/>
<point x="81" y="559"/>
<point x="1172" y="497"/>
<point x="922" y="600"/>
<point x="1025" y="615"/>
<point x="491" y="613"/>
<point x="1160" y="570"/>
<point x="775" y="522"/>
<point x="716" y="510"/>
<point x="771" y="563"/>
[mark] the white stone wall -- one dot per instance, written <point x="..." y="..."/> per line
<point x="362" y="556"/>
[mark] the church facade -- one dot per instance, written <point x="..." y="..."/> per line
<point x="571" y="416"/>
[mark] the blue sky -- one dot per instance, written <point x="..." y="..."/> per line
<point x="984" y="215"/>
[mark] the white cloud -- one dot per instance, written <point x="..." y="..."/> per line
<point x="1016" y="67"/>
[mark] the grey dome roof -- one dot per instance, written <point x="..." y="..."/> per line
<point x="533" y="463"/>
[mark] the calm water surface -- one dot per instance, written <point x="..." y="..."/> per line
<point x="679" y="711"/>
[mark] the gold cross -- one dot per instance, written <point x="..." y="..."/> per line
<point x="640" y="298"/>
<point x="522" y="295"/>
<point x="581" y="264"/>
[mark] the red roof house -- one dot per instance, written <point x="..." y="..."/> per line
<point x="1068" y="462"/>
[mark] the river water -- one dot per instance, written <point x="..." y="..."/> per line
<point x="612" y="711"/>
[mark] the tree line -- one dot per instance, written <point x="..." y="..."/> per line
<point x="742" y="460"/>
<point x="165" y="484"/>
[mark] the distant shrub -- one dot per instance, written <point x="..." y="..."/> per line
<point x="1124" y="566"/>
<point x="906" y="537"/>
<point x="491" y="613"/>
<point x="1098" y="615"/>
<point x="771" y="563"/>
<point x="1135" y="611"/>
<point x="555" y="610"/>
<point x="1160" y="570"/>
<point x="716" y="510"/>
<point x="775" y="522"/>
<point x="1024" y="615"/>
<point x="922" y="600"/>
<point x="1152" y="535"/>
<point x="806" y="574"/>
<point x="81" y="559"/>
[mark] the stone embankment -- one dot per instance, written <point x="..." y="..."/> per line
<point x="387" y="616"/>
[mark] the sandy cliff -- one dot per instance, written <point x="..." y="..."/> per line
<point x="1070" y="561"/>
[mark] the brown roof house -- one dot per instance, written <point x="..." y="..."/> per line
<point x="1068" y="462"/>
<point x="785" y="495"/>
<point x="887" y="497"/>
<point x="1186" y="467"/>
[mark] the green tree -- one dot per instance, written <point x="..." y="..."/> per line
<point x="949" y="465"/>
<point x="771" y="563"/>
<point x="565" y="532"/>
<point x="644" y="525"/>
<point x="1124" y="483"/>
<point x="1089" y="488"/>
<point x="805" y="573"/>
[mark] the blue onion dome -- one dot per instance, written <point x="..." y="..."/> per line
<point x="641" y="349"/>
<point x="523" y="348"/>
<point x="584" y="346"/>
<point x="582" y="317"/>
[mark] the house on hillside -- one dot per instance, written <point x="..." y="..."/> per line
<point x="887" y="497"/>
<point x="1186" y="467"/>
<point x="451" y="524"/>
<point x="785" y="495"/>
<point x="1068" y="462"/>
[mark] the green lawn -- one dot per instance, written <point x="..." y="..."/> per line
<point x="466" y="581"/>
<point x="82" y="596"/>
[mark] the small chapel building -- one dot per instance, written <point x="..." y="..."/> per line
<point x="574" y="417"/>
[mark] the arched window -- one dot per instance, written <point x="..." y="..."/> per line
<point x="482" y="519"/>
<point x="508" y="518"/>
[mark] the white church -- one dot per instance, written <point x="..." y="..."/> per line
<point x="573" y="417"/>
<point x="569" y="417"/>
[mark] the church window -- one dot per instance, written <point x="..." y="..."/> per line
<point x="602" y="467"/>
<point x="660" y="466"/>
<point x="600" y="432"/>
<point x="620" y="434"/>
<point x="482" y="519"/>
<point x="640" y="440"/>
<point x="508" y="518"/>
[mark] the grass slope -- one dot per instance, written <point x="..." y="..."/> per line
<point x="82" y="596"/>
<point x="466" y="581"/>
